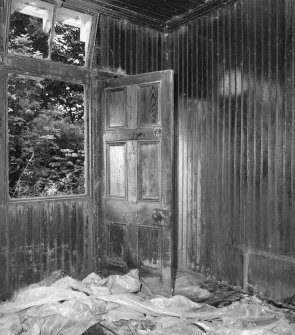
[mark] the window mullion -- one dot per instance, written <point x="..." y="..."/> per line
<point x="8" y="5"/>
<point x="52" y="32"/>
<point x="90" y="46"/>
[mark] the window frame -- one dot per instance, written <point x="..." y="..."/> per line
<point x="84" y="75"/>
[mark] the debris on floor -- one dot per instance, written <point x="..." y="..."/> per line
<point x="61" y="305"/>
<point x="201" y="288"/>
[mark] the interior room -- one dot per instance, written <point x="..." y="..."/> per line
<point x="148" y="135"/>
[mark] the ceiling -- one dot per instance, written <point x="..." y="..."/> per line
<point x="160" y="14"/>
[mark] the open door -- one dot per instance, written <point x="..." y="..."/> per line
<point x="138" y="196"/>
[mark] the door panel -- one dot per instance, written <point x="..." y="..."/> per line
<point x="148" y="170"/>
<point x="116" y="110"/>
<point x="149" y="247"/>
<point x="116" y="169"/>
<point x="148" y="98"/>
<point x="139" y="154"/>
<point x="117" y="242"/>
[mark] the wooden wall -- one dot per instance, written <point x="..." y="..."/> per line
<point x="39" y="236"/>
<point x="130" y="49"/>
<point x="235" y="105"/>
<point x="236" y="152"/>
<point x="48" y="235"/>
<point x="236" y="168"/>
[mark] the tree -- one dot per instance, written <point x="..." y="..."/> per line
<point x="45" y="119"/>
<point x="27" y="37"/>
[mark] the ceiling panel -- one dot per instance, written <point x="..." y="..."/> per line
<point x="159" y="14"/>
<point x="158" y="9"/>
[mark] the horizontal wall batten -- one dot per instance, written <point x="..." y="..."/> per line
<point x="37" y="67"/>
<point x="61" y="199"/>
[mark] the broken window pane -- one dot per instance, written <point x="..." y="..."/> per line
<point x="31" y="32"/>
<point x="66" y="46"/>
<point x="71" y="36"/>
<point x="46" y="137"/>
<point x="26" y="36"/>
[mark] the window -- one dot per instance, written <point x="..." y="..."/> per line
<point x="47" y="119"/>
<point x="42" y="30"/>
<point x="46" y="137"/>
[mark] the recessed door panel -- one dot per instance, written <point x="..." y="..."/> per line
<point x="116" y="108"/>
<point x="148" y="170"/>
<point x="117" y="241"/>
<point x="148" y="102"/>
<point x="149" y="249"/>
<point x="116" y="170"/>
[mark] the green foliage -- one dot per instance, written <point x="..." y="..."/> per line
<point x="67" y="47"/>
<point x="45" y="117"/>
<point x="46" y="138"/>
<point x="27" y="37"/>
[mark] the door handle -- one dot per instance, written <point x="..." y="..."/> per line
<point x="161" y="217"/>
<point x="156" y="216"/>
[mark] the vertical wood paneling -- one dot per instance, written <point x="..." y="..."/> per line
<point x="235" y="79"/>
<point x="192" y="232"/>
<point x="235" y="103"/>
<point x="128" y="48"/>
<point x="4" y="241"/>
<point x="291" y="193"/>
<point x="58" y="234"/>
<point x="40" y="239"/>
<point x="191" y="130"/>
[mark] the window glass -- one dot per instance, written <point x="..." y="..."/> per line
<point x="46" y="137"/>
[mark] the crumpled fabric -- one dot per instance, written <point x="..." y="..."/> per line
<point x="10" y="324"/>
<point x="177" y="306"/>
<point x="70" y="307"/>
<point x="128" y="283"/>
<point x="281" y="327"/>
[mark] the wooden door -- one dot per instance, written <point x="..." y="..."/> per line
<point x="139" y="183"/>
